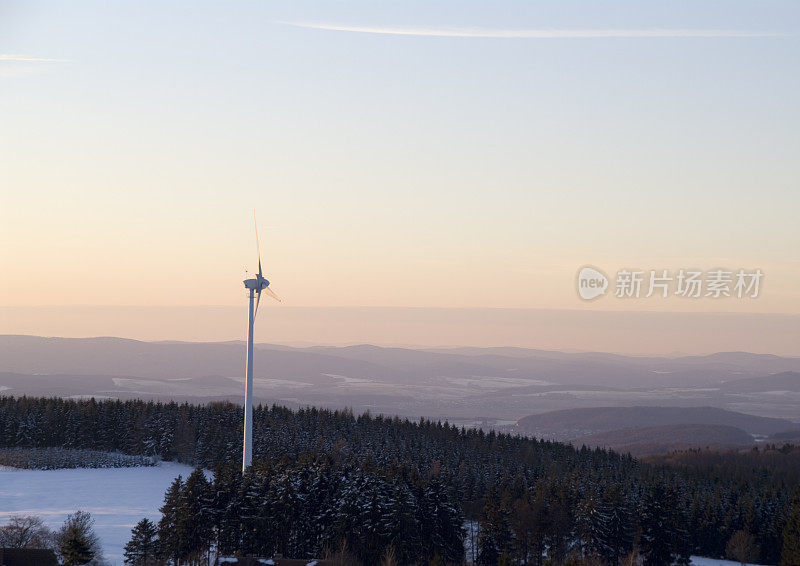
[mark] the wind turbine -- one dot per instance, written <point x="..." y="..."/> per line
<point x="256" y="286"/>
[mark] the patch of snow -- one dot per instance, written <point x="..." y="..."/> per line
<point x="494" y="382"/>
<point x="141" y="386"/>
<point x="472" y="529"/>
<point x="270" y="382"/>
<point x="691" y="389"/>
<point x="122" y="381"/>
<point x="117" y="498"/>
<point x="312" y="563"/>
<point x="701" y="561"/>
<point x="346" y="379"/>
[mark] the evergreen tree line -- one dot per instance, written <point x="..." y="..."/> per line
<point x="496" y="479"/>
<point x="307" y="509"/>
<point x="557" y="522"/>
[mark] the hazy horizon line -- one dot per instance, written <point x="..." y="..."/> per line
<point x="629" y="332"/>
<point x="306" y="344"/>
<point x="395" y="307"/>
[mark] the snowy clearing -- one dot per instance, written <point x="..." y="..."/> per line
<point x="117" y="498"/>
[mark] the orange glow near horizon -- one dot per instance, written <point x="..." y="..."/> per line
<point x="390" y="170"/>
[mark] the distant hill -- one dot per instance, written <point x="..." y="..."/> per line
<point x="785" y="381"/>
<point x="570" y="424"/>
<point x="467" y="386"/>
<point x="642" y="441"/>
<point x="791" y="436"/>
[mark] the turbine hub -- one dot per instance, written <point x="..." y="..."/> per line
<point x="258" y="283"/>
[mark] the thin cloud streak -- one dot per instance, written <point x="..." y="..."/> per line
<point x="29" y="59"/>
<point x="534" y="33"/>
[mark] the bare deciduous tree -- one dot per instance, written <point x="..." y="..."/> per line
<point x="25" y="531"/>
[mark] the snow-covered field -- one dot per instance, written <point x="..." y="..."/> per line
<point x="117" y="498"/>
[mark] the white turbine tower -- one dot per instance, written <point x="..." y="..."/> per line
<point x="256" y="286"/>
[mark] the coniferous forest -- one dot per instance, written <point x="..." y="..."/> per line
<point x="420" y="492"/>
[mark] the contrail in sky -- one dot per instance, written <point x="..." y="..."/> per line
<point x="29" y="59"/>
<point x="532" y="33"/>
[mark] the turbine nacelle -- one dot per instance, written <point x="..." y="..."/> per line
<point x="258" y="284"/>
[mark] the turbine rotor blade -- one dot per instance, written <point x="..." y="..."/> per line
<point x="258" y="246"/>
<point x="273" y="295"/>
<point x="258" y="300"/>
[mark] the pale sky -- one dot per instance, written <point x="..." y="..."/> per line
<point x="398" y="154"/>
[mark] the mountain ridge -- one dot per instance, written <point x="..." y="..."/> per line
<point x="471" y="386"/>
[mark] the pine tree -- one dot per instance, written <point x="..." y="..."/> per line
<point x="400" y="514"/>
<point x="75" y="551"/>
<point x="790" y="555"/>
<point x="682" y="540"/>
<point x="76" y="541"/>
<point x="495" y="539"/>
<point x="195" y="519"/>
<point x="561" y="523"/>
<point x="447" y="523"/>
<point x="168" y="533"/>
<point x="655" y="522"/>
<point x="254" y="504"/>
<point x="531" y="522"/>
<point x="487" y="549"/>
<point x="141" y="550"/>
<point x="227" y="483"/>
<point x="615" y="531"/>
<point x="588" y="523"/>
